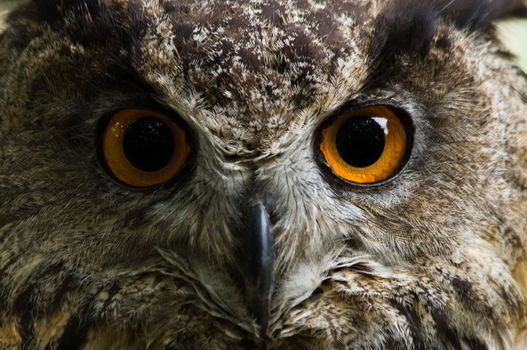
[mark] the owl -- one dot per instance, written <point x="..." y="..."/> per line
<point x="262" y="174"/>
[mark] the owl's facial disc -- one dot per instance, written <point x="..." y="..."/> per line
<point x="280" y="174"/>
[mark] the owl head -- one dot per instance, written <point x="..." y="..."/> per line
<point x="271" y="174"/>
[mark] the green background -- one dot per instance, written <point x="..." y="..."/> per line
<point x="514" y="34"/>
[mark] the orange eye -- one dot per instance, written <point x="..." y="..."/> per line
<point x="144" y="148"/>
<point x="366" y="146"/>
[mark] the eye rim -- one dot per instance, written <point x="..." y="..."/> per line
<point x="151" y="110"/>
<point x="406" y="121"/>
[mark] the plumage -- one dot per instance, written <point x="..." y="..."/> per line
<point x="434" y="258"/>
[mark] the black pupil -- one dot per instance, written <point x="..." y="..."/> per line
<point x="148" y="144"/>
<point x="360" y="140"/>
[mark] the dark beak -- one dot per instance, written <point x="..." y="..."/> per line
<point x="259" y="258"/>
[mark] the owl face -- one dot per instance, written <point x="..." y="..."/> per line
<point x="262" y="174"/>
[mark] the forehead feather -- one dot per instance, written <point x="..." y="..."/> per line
<point x="254" y="54"/>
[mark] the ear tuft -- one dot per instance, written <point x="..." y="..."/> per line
<point x="475" y="14"/>
<point x="85" y="21"/>
<point x="403" y="26"/>
<point x="408" y="26"/>
<point x="51" y="11"/>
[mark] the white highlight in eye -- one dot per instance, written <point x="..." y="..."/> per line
<point x="383" y="123"/>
